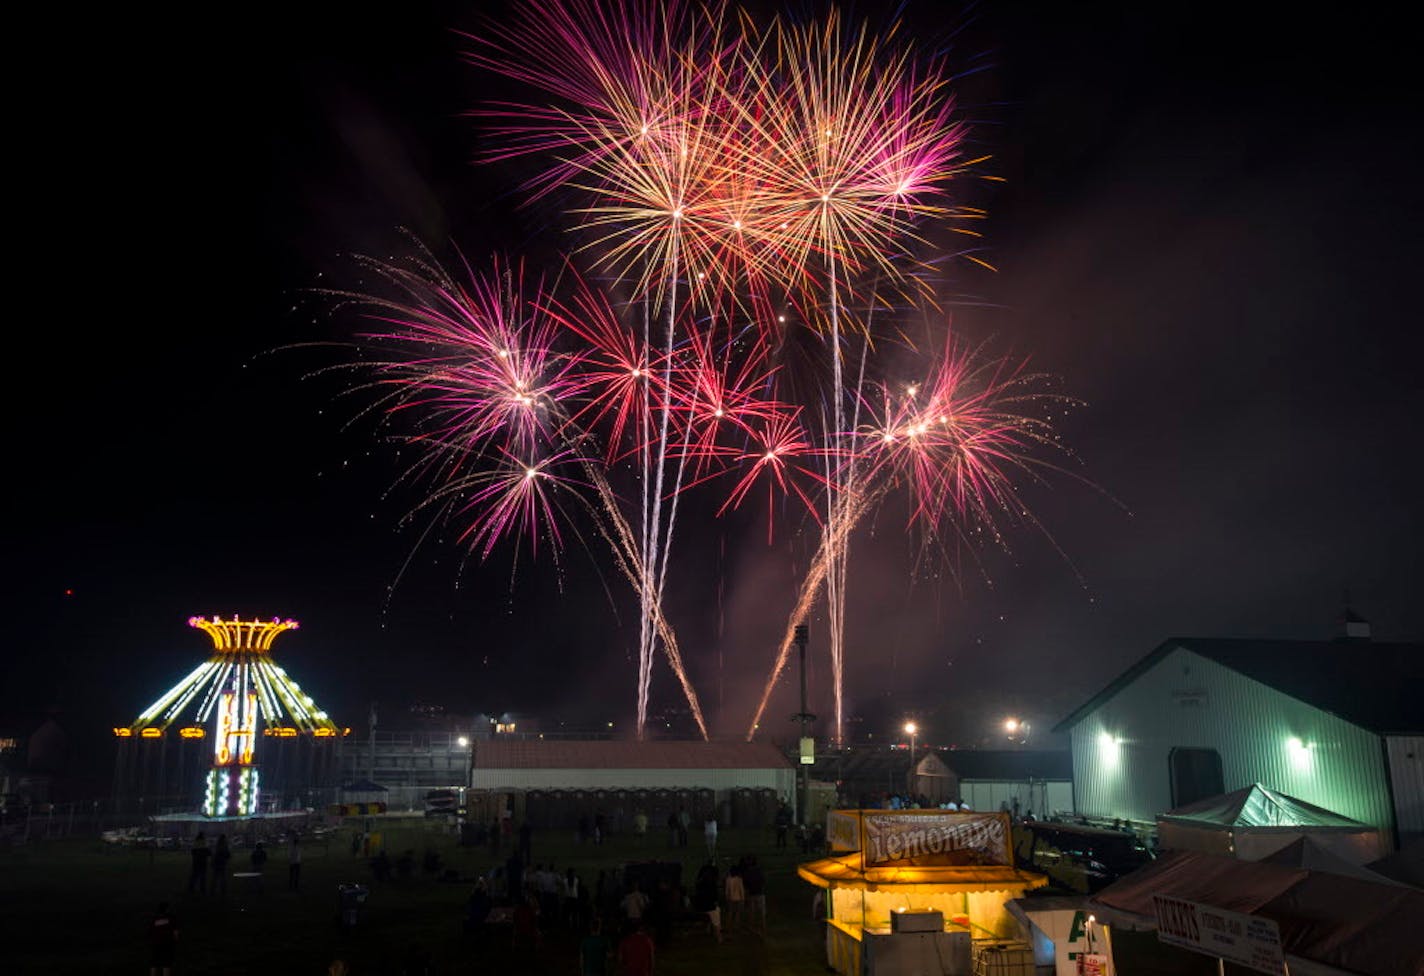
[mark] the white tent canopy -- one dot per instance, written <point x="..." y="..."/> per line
<point x="1254" y="822"/>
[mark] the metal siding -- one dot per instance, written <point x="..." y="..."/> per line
<point x="1060" y="798"/>
<point x="1406" y="777"/>
<point x="1248" y="723"/>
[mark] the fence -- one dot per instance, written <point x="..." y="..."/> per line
<point x="24" y="823"/>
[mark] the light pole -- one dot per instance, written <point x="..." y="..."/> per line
<point x="803" y="635"/>
<point x="912" y="729"/>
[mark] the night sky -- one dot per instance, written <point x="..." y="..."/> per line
<point x="1208" y="231"/>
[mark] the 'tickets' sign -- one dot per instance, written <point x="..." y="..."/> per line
<point x="963" y="838"/>
<point x="1249" y="940"/>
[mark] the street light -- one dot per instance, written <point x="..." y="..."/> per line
<point x="1017" y="730"/>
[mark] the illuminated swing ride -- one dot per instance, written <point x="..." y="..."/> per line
<point x="241" y="690"/>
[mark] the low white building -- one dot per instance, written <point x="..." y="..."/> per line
<point x="559" y="780"/>
<point x="1021" y="781"/>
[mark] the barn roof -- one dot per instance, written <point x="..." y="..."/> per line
<point x="1346" y="923"/>
<point x="1370" y="684"/>
<point x="625" y="754"/>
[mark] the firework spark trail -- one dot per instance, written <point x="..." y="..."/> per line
<point x="952" y="452"/>
<point x="852" y="175"/>
<point x="641" y="149"/>
<point x="654" y="557"/>
<point x="855" y="507"/>
<point x="455" y="329"/>
<point x="838" y="570"/>
<point x="625" y="550"/>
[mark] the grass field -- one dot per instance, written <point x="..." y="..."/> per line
<point x="81" y="906"/>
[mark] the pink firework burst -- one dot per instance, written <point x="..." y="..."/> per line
<point x="956" y="439"/>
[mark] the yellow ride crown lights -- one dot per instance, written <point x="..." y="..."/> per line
<point x="237" y="636"/>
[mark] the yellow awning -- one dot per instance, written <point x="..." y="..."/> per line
<point x="845" y="871"/>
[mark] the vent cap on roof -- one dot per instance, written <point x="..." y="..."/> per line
<point x="1355" y="627"/>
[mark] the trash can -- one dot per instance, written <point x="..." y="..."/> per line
<point x="351" y="898"/>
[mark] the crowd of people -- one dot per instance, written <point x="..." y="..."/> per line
<point x="625" y="914"/>
<point x="619" y="919"/>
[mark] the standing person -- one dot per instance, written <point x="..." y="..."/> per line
<point x="162" y="942"/>
<point x="640" y="827"/>
<point x="683" y="822"/>
<point x="514" y="871"/>
<point x="294" y="864"/>
<point x="633" y="905"/>
<point x="672" y="828"/>
<point x="525" y="929"/>
<point x="573" y="893"/>
<point x="755" y="882"/>
<point x="709" y="831"/>
<point x="594" y="951"/>
<point x="547" y="883"/>
<point x="783" y="824"/>
<point x="222" y="854"/>
<point x="259" y="861"/>
<point x="735" y="892"/>
<point x="198" y="877"/>
<point x="635" y="953"/>
<point x="526" y="842"/>
<point x="478" y="908"/>
<point x="600" y="827"/>
<point x="605" y="902"/>
<point x="704" y="898"/>
<point x="665" y="906"/>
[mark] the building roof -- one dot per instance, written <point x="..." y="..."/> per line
<point x="1257" y="806"/>
<point x="1307" y="853"/>
<point x="880" y="765"/>
<point x="1009" y="765"/>
<point x="363" y="786"/>
<point x="625" y="754"/>
<point x="1406" y="866"/>
<point x="1347" y="923"/>
<point x="1370" y="684"/>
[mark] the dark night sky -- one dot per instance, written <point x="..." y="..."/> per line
<point x="1208" y="231"/>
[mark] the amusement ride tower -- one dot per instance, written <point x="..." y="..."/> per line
<point x="246" y="695"/>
